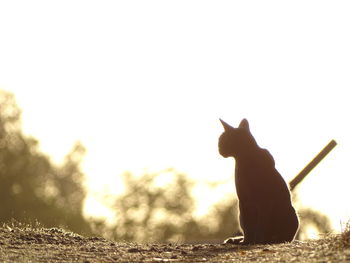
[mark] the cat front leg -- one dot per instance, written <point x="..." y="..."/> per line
<point x="250" y="221"/>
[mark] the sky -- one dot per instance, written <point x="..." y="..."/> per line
<point x="142" y="84"/>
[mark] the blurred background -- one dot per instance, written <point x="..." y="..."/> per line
<point x="109" y="112"/>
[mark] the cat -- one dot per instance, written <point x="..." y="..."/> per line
<point x="266" y="214"/>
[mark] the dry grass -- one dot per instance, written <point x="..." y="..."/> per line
<point x="344" y="238"/>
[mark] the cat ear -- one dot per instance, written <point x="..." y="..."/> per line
<point x="244" y="124"/>
<point x="227" y="127"/>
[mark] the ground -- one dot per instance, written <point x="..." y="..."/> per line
<point x="24" y="244"/>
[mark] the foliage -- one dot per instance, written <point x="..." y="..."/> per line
<point x="32" y="188"/>
<point x="152" y="210"/>
<point x="310" y="218"/>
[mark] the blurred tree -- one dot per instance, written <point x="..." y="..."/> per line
<point x="32" y="188"/>
<point x="312" y="219"/>
<point x="153" y="208"/>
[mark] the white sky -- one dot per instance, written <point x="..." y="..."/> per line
<point x="143" y="83"/>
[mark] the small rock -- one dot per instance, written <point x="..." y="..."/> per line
<point x="133" y="250"/>
<point x="196" y="248"/>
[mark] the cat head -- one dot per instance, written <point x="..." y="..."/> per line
<point x="236" y="142"/>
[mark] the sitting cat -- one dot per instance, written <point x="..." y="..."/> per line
<point x="266" y="212"/>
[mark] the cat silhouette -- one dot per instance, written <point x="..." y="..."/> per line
<point x="266" y="214"/>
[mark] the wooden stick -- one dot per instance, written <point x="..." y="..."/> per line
<point x="319" y="157"/>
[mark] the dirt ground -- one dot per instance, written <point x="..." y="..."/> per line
<point x="18" y="244"/>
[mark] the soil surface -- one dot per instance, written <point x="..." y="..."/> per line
<point x="18" y="244"/>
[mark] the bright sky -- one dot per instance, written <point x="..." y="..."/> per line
<point x="143" y="83"/>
